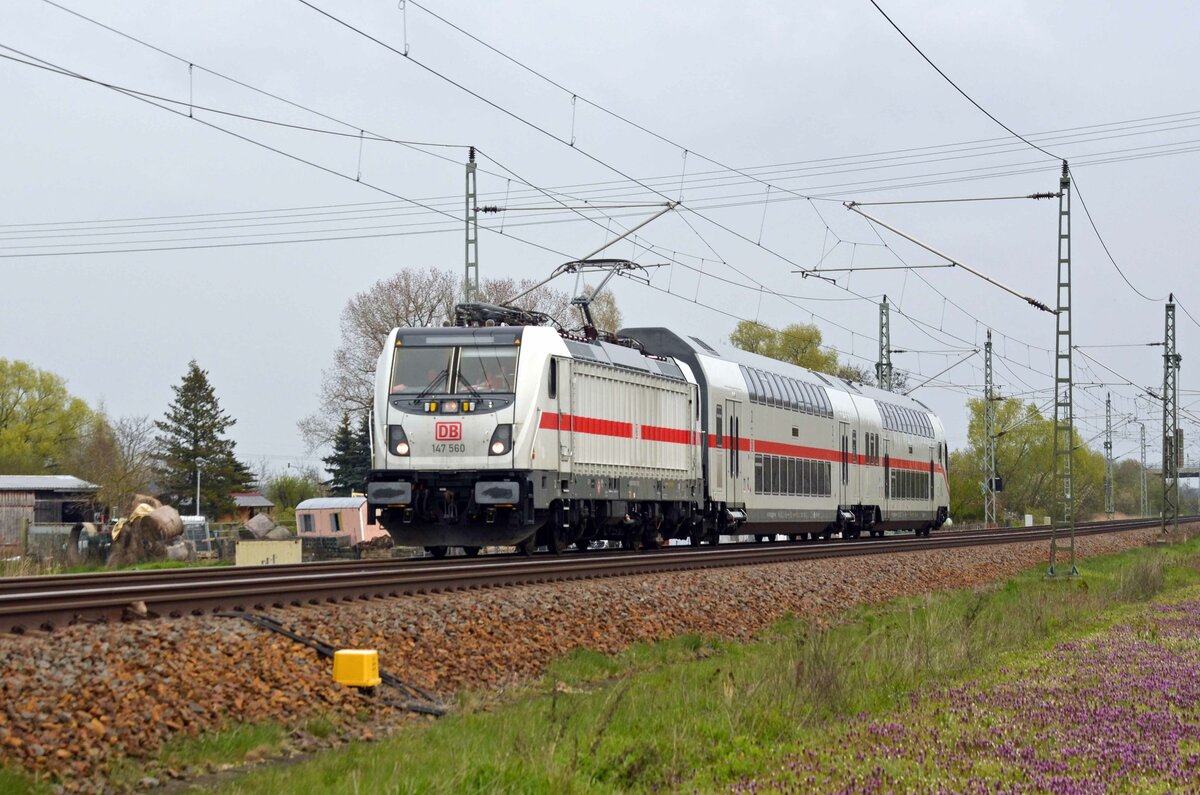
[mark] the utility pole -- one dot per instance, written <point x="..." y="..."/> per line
<point x="1109" y="507"/>
<point x="1172" y="448"/>
<point x="883" y="367"/>
<point x="1064" y="393"/>
<point x="471" y="276"/>
<point x="1145" y="493"/>
<point x="989" y="437"/>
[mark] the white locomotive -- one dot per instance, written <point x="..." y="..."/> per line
<point x="521" y="434"/>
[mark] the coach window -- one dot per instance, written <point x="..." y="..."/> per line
<point x="785" y="402"/>
<point x="806" y="398"/>
<point x="758" y="473"/>
<point x="756" y="389"/>
<point x="821" y="393"/>
<point x="789" y="393"/>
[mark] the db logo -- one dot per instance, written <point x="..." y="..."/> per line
<point x="448" y="432"/>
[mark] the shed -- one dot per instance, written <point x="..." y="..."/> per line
<point x="338" y="517"/>
<point x="249" y="504"/>
<point x="27" y="500"/>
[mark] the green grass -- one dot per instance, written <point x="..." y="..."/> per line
<point x="699" y="713"/>
<point x="15" y="782"/>
<point x="235" y="745"/>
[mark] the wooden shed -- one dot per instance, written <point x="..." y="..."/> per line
<point x="28" y="500"/>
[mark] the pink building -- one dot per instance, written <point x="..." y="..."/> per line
<point x="336" y="517"/>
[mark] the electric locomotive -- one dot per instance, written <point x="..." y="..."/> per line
<point x="504" y="431"/>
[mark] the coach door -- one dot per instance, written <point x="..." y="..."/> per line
<point x="886" y="509"/>
<point x="566" y="419"/>
<point x="844" y="476"/>
<point x="733" y="452"/>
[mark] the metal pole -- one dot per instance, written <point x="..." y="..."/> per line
<point x="197" y="505"/>
<point x="1171" y="448"/>
<point x="883" y="367"/>
<point x="1109" y="506"/>
<point x="1064" y="392"/>
<point x="471" y="274"/>
<point x="1145" y="494"/>
<point x="989" y="437"/>
<point x="1027" y="299"/>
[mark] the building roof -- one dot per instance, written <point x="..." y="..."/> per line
<point x="251" y="499"/>
<point x="44" y="483"/>
<point x="327" y="503"/>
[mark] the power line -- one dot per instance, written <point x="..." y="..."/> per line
<point x="1016" y="134"/>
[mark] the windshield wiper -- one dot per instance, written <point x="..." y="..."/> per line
<point x="464" y="382"/>
<point x="437" y="379"/>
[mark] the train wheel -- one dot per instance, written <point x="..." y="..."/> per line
<point x="471" y="552"/>
<point x="556" y="540"/>
<point x="696" y="538"/>
<point x="528" y="546"/>
<point x="760" y="538"/>
<point x="437" y="552"/>
<point x="583" y="545"/>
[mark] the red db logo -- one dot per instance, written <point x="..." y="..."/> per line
<point x="448" y="431"/>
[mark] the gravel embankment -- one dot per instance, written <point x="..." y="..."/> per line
<point x="76" y="701"/>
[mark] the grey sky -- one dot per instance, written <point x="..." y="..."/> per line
<point x="756" y="85"/>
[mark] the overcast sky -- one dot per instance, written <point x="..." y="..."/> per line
<point x="824" y="100"/>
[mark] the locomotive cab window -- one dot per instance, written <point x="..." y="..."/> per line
<point x="487" y="370"/>
<point x="552" y="389"/>
<point x="417" y="369"/>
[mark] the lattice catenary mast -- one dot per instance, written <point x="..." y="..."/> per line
<point x="883" y="367"/>
<point x="471" y="275"/>
<point x="1109" y="507"/>
<point x="1172" y="449"/>
<point x="989" y="437"/>
<point x="1145" y="494"/>
<point x="1064" y="393"/>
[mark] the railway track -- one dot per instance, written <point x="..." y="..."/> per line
<point x="45" y="603"/>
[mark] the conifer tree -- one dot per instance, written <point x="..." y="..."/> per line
<point x="340" y="463"/>
<point x="350" y="464"/>
<point x="192" y="438"/>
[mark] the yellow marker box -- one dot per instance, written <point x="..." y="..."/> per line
<point x="356" y="667"/>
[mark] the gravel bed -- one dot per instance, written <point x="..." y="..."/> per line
<point x="76" y="701"/>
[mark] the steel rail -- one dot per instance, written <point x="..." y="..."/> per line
<point x="44" y="603"/>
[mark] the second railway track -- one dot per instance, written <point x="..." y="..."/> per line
<point x="49" y="602"/>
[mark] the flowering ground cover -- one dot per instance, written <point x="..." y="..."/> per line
<point x="1118" y="711"/>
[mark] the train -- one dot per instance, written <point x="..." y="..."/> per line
<point x="506" y="431"/>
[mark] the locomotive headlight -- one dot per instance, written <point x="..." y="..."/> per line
<point x="501" y="441"/>
<point x="397" y="441"/>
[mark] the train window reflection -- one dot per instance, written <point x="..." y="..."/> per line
<point x="487" y="370"/>
<point x="417" y="369"/>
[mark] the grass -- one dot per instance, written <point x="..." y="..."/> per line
<point x="700" y="713"/>
<point x="16" y="782"/>
<point x="25" y="568"/>
<point x="238" y="744"/>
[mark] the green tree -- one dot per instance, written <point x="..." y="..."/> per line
<point x="41" y="423"/>
<point x="1025" y="461"/>
<point x="292" y="487"/>
<point x="350" y="461"/>
<point x="192" y="439"/>
<point x="798" y="344"/>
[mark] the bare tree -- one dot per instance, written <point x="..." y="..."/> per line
<point x="118" y="456"/>
<point x="414" y="297"/>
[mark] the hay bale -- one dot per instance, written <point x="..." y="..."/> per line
<point x="182" y="551"/>
<point x="168" y="522"/>
<point x="141" y="499"/>
<point x="260" y="525"/>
